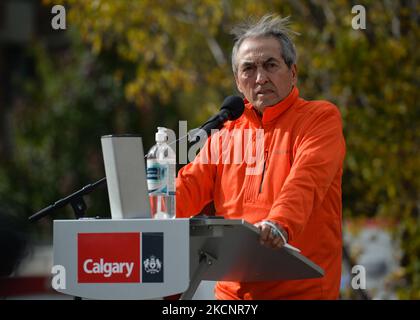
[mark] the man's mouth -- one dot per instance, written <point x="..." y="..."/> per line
<point x="264" y="92"/>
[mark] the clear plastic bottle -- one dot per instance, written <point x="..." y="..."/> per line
<point x="161" y="163"/>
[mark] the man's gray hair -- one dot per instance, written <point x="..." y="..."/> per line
<point x="268" y="26"/>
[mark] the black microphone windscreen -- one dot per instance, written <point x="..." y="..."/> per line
<point x="234" y="105"/>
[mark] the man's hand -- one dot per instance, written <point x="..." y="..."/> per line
<point x="269" y="236"/>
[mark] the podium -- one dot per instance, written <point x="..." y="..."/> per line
<point x="150" y="258"/>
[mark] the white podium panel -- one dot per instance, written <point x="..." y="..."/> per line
<point x="123" y="259"/>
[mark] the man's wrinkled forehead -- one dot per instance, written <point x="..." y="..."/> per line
<point x="258" y="60"/>
<point x="259" y="50"/>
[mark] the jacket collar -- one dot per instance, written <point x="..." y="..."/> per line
<point x="271" y="113"/>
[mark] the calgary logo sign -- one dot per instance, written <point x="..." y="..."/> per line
<point x="124" y="257"/>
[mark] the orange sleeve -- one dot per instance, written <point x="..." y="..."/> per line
<point x="194" y="184"/>
<point x="319" y="151"/>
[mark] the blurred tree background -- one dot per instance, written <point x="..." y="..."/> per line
<point x="129" y="66"/>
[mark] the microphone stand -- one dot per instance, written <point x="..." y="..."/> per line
<point x="75" y="200"/>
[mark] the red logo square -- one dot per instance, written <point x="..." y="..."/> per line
<point x="108" y="257"/>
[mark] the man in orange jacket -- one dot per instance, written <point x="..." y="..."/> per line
<point x="294" y="193"/>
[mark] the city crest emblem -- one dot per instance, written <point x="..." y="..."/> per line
<point x="152" y="265"/>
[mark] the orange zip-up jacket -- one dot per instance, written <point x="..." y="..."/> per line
<point x="297" y="185"/>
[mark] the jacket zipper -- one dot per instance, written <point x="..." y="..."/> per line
<point x="263" y="172"/>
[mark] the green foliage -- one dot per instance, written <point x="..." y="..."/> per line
<point x="171" y="59"/>
<point x="68" y="106"/>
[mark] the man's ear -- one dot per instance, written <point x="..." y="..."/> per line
<point x="237" y="84"/>
<point x="294" y="70"/>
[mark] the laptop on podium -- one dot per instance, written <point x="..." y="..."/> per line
<point x="126" y="176"/>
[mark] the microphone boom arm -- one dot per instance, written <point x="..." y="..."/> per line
<point x="75" y="200"/>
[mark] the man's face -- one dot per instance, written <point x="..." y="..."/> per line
<point x="262" y="75"/>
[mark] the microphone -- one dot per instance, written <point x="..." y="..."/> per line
<point x="232" y="108"/>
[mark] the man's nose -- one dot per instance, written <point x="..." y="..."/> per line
<point x="261" y="76"/>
